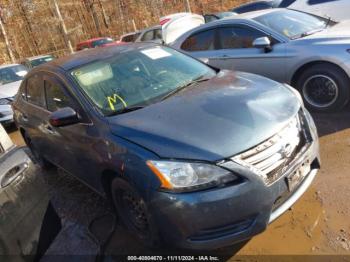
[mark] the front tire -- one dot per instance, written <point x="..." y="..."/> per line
<point x="134" y="214"/>
<point x="324" y="88"/>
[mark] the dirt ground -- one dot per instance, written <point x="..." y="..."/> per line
<point x="319" y="223"/>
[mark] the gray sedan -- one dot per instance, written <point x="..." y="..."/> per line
<point x="309" y="52"/>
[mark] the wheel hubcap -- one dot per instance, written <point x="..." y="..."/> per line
<point x="320" y="91"/>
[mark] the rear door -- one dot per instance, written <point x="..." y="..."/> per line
<point x="32" y="113"/>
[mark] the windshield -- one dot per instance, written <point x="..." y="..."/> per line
<point x="292" y="24"/>
<point x="12" y="74"/>
<point x="41" y="60"/>
<point x="137" y="78"/>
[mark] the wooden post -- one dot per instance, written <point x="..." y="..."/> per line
<point x="7" y="42"/>
<point x="63" y="26"/>
<point x="134" y="25"/>
<point x="188" y="6"/>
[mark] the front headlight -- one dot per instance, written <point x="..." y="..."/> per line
<point x="296" y="93"/>
<point x="183" y="176"/>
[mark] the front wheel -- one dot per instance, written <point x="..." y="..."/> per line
<point x="133" y="213"/>
<point x="324" y="87"/>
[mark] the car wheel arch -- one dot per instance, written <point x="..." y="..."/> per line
<point x="107" y="178"/>
<point x="300" y="69"/>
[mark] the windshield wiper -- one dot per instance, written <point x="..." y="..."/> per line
<point x="125" y="110"/>
<point x="182" y="87"/>
<point x="306" y="34"/>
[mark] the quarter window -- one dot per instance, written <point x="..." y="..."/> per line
<point x="55" y="97"/>
<point x="35" y="91"/>
<point x="238" y="37"/>
<point x="148" y="36"/>
<point x="202" y="41"/>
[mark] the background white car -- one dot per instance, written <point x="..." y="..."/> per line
<point x="11" y="77"/>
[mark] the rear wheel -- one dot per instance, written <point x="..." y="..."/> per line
<point x="324" y="87"/>
<point x="133" y="213"/>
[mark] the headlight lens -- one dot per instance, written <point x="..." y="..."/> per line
<point x="4" y="101"/>
<point x="296" y="93"/>
<point x="183" y="176"/>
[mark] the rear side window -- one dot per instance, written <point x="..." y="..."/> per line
<point x="202" y="41"/>
<point x="56" y="98"/>
<point x="238" y="37"/>
<point x="35" y="91"/>
<point x="129" y="38"/>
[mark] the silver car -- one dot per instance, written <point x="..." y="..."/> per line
<point x="10" y="79"/>
<point x="309" y="52"/>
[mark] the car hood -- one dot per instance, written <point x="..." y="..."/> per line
<point x="340" y="31"/>
<point x="10" y="89"/>
<point x="212" y="120"/>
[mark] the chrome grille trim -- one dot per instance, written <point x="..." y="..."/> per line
<point x="270" y="157"/>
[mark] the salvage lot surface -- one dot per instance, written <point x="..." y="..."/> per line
<point x="319" y="223"/>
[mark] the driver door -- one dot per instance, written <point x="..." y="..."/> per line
<point x="235" y="51"/>
<point x="71" y="147"/>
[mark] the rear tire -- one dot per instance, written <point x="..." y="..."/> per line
<point x="134" y="214"/>
<point x="324" y="88"/>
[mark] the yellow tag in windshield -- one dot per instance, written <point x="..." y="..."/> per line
<point x="112" y="100"/>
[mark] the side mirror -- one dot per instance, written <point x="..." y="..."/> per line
<point x="64" y="117"/>
<point x="263" y="42"/>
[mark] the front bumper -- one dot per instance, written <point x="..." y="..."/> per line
<point x="221" y="217"/>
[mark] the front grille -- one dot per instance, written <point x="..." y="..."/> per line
<point x="270" y="158"/>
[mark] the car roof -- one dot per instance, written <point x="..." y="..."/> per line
<point x="95" y="54"/>
<point x="8" y="65"/>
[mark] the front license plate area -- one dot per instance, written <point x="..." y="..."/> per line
<point x="295" y="178"/>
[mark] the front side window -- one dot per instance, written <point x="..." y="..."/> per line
<point x="238" y="37"/>
<point x="202" y="41"/>
<point x="12" y="74"/>
<point x="292" y="24"/>
<point x="35" y="91"/>
<point x="137" y="78"/>
<point x="55" y="96"/>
